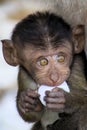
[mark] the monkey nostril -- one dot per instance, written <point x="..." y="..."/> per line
<point x="54" y="77"/>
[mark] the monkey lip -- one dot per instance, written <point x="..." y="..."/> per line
<point x="55" y="84"/>
<point x="52" y="85"/>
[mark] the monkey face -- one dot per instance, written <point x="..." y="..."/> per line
<point x="50" y="67"/>
<point x="44" y="44"/>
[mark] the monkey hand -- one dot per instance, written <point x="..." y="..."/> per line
<point x="55" y="99"/>
<point x="29" y="101"/>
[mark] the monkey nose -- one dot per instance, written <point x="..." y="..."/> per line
<point x="54" y="77"/>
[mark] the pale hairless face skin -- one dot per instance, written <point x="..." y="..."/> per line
<point x="49" y="67"/>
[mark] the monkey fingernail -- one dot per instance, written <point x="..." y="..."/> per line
<point x="55" y="89"/>
<point x="47" y="92"/>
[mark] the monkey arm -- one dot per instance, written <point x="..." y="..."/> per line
<point x="30" y="116"/>
<point x="65" y="8"/>
<point x="24" y="83"/>
<point x="76" y="99"/>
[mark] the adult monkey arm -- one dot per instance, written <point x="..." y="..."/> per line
<point x="74" y="12"/>
<point x="77" y="97"/>
<point x="77" y="81"/>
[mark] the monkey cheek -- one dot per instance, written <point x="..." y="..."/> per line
<point x="63" y="78"/>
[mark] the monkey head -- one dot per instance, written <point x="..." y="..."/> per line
<point x="44" y="44"/>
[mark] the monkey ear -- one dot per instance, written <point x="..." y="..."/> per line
<point x="9" y="52"/>
<point x="78" y="33"/>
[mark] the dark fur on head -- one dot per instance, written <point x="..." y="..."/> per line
<point x="41" y="30"/>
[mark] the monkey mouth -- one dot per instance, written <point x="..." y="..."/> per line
<point x="51" y="83"/>
<point x="55" y="84"/>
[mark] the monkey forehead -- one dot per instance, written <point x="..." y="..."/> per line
<point x="30" y="51"/>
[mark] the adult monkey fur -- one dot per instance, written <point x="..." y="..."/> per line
<point x="73" y="11"/>
<point x="52" y="41"/>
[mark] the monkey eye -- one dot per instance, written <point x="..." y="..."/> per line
<point x="61" y="59"/>
<point x="43" y="62"/>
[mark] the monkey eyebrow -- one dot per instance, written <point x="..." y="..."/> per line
<point x="41" y="57"/>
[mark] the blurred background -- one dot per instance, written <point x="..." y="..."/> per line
<point x="11" y="11"/>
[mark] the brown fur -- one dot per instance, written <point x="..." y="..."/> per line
<point x="52" y="74"/>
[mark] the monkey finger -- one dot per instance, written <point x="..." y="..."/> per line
<point x="33" y="94"/>
<point x="55" y="107"/>
<point x="30" y="93"/>
<point x="55" y="94"/>
<point x="28" y="97"/>
<point x="22" y="109"/>
<point x="22" y="95"/>
<point x="55" y="89"/>
<point x="26" y="108"/>
<point x="55" y="100"/>
<point x="29" y="107"/>
<point x="21" y="106"/>
<point x="26" y="103"/>
<point x="30" y="100"/>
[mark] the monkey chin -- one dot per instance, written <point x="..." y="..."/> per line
<point x="43" y="88"/>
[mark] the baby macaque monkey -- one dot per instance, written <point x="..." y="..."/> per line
<point x="48" y="52"/>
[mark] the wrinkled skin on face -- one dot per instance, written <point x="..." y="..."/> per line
<point x="49" y="67"/>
